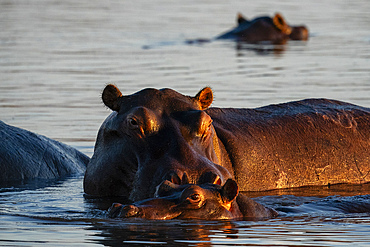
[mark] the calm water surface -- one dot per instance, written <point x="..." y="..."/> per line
<point x="57" y="56"/>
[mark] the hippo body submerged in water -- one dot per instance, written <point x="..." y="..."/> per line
<point x="190" y="201"/>
<point x="157" y="135"/>
<point x="265" y="29"/>
<point x="25" y="155"/>
<point x="261" y="30"/>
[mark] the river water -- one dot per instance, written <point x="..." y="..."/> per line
<point x="57" y="56"/>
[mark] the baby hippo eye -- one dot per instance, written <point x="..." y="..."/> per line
<point x="195" y="197"/>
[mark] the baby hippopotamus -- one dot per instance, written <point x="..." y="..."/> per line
<point x="194" y="201"/>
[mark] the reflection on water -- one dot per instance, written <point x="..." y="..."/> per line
<point x="57" y="56"/>
<point x="174" y="233"/>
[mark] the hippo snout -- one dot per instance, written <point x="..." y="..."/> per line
<point x="129" y="211"/>
<point x="122" y="211"/>
<point x="299" y="33"/>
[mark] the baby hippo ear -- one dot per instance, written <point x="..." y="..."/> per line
<point x="210" y="177"/>
<point x="110" y="96"/>
<point x="205" y="97"/>
<point x="165" y="188"/>
<point x="230" y="190"/>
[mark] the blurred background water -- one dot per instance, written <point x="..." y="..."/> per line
<point x="57" y="56"/>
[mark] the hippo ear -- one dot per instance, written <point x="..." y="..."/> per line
<point x="240" y="18"/>
<point x="110" y="96"/>
<point x="281" y="24"/>
<point x="230" y="190"/>
<point x="204" y="97"/>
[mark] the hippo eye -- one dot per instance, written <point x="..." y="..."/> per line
<point x="133" y="122"/>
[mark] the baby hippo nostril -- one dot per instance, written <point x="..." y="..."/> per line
<point x="114" y="210"/>
<point x="129" y="211"/>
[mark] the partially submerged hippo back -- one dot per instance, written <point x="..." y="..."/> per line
<point x="26" y="155"/>
<point x="300" y="143"/>
<point x="156" y="135"/>
<point x="190" y="201"/>
<point x="265" y="29"/>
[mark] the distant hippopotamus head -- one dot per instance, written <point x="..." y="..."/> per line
<point x="152" y="136"/>
<point x="261" y="29"/>
<point x="190" y="201"/>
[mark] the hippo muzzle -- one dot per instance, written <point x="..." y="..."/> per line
<point x="190" y="201"/>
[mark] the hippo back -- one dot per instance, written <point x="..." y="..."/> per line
<point x="302" y="143"/>
<point x="26" y="155"/>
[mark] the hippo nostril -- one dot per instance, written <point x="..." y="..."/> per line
<point x="175" y="179"/>
<point x="129" y="211"/>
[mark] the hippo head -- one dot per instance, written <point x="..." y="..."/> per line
<point x="265" y="29"/>
<point x="190" y="201"/>
<point x="152" y="136"/>
<point x="293" y="32"/>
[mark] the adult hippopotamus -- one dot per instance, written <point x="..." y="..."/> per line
<point x="156" y="135"/>
<point x="265" y="29"/>
<point x="152" y="136"/>
<point x="26" y="155"/>
<point x="191" y="201"/>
